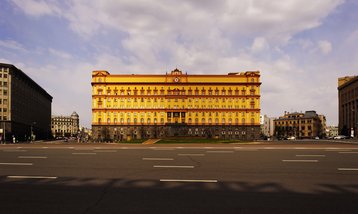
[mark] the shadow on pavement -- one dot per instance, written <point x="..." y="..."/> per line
<point x="90" y="195"/>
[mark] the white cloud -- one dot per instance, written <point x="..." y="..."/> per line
<point x="38" y="7"/>
<point x="12" y="44"/>
<point x="59" y="53"/>
<point x="325" y="47"/>
<point x="260" y="44"/>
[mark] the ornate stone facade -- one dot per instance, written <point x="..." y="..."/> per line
<point x="126" y="107"/>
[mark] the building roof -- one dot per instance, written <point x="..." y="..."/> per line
<point x="346" y="81"/>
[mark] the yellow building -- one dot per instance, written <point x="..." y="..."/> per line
<point x="134" y="106"/>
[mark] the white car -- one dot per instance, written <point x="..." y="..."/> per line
<point x="339" y="137"/>
<point x="291" y="138"/>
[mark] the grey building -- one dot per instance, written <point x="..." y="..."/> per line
<point x="65" y="126"/>
<point x="25" y="107"/>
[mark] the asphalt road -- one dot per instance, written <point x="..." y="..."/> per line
<point x="97" y="178"/>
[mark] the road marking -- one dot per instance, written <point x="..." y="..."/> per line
<point x="17" y="164"/>
<point x="185" y="167"/>
<point x="165" y="159"/>
<point x="348" y="152"/>
<point x="348" y="169"/>
<point x="83" y="153"/>
<point x="71" y="147"/>
<point x="310" y="155"/>
<point x="30" y="177"/>
<point x="45" y="147"/>
<point x="219" y="151"/>
<point x="304" y="161"/>
<point x="300" y="148"/>
<point x="208" y="147"/>
<point x="191" y="154"/>
<point x="192" y="181"/>
<point x="35" y="157"/>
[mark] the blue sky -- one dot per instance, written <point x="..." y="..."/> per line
<point x="301" y="47"/>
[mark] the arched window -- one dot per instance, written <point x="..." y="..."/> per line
<point x="196" y="120"/>
<point x="243" y="121"/>
<point x="252" y="121"/>
<point x="108" y="120"/>
<point x="148" y="120"/>
<point x="210" y="121"/>
<point x="236" y="121"/>
<point x="217" y="121"/>
<point x="230" y="121"/>
<point x="203" y="121"/>
<point x="122" y="121"/>
<point x="135" y="121"/>
<point x="223" y="121"/>
<point x="142" y="120"/>
<point x="128" y="120"/>
<point x="115" y="120"/>
<point x="189" y="121"/>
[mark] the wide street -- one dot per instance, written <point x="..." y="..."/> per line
<point x="197" y="178"/>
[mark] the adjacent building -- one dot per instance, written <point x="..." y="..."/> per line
<point x="300" y="125"/>
<point x="331" y="131"/>
<point x="348" y="105"/>
<point x="65" y="126"/>
<point x="133" y="106"/>
<point x="25" y="107"/>
<point x="268" y="126"/>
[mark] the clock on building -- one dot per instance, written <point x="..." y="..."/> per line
<point x="176" y="79"/>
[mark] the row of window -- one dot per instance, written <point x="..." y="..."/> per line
<point x="176" y="91"/>
<point x="293" y="122"/>
<point x="189" y="113"/>
<point x="190" y="121"/>
<point x="155" y="100"/>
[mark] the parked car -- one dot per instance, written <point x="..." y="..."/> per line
<point x="291" y="138"/>
<point x="316" y="138"/>
<point x="339" y="137"/>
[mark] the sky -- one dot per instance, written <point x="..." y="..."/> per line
<point x="300" y="47"/>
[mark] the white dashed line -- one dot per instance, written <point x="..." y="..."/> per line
<point x="17" y="164"/>
<point x="184" y="167"/>
<point x="106" y="150"/>
<point x="191" y="154"/>
<point x="189" y="181"/>
<point x="220" y="151"/>
<point x="30" y="177"/>
<point x="348" y="152"/>
<point x="348" y="169"/>
<point x="302" y="161"/>
<point x="310" y="155"/>
<point x="34" y="157"/>
<point x="14" y="150"/>
<point x="83" y="153"/>
<point x="159" y="159"/>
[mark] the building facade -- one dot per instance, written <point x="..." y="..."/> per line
<point x="268" y="126"/>
<point x="331" y="131"/>
<point x="65" y="126"/>
<point x="348" y="106"/>
<point x="126" y="107"/>
<point x="300" y="125"/>
<point x="25" y="107"/>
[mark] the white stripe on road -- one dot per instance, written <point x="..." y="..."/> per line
<point x="192" y="181"/>
<point x="45" y="147"/>
<point x="338" y="150"/>
<point x="303" y="161"/>
<point x="17" y="164"/>
<point x="160" y="159"/>
<point x="191" y="154"/>
<point x="220" y="151"/>
<point x="348" y="169"/>
<point x="83" y="153"/>
<point x="34" y="157"/>
<point x="31" y="177"/>
<point x="185" y="167"/>
<point x="163" y="149"/>
<point x="310" y="155"/>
